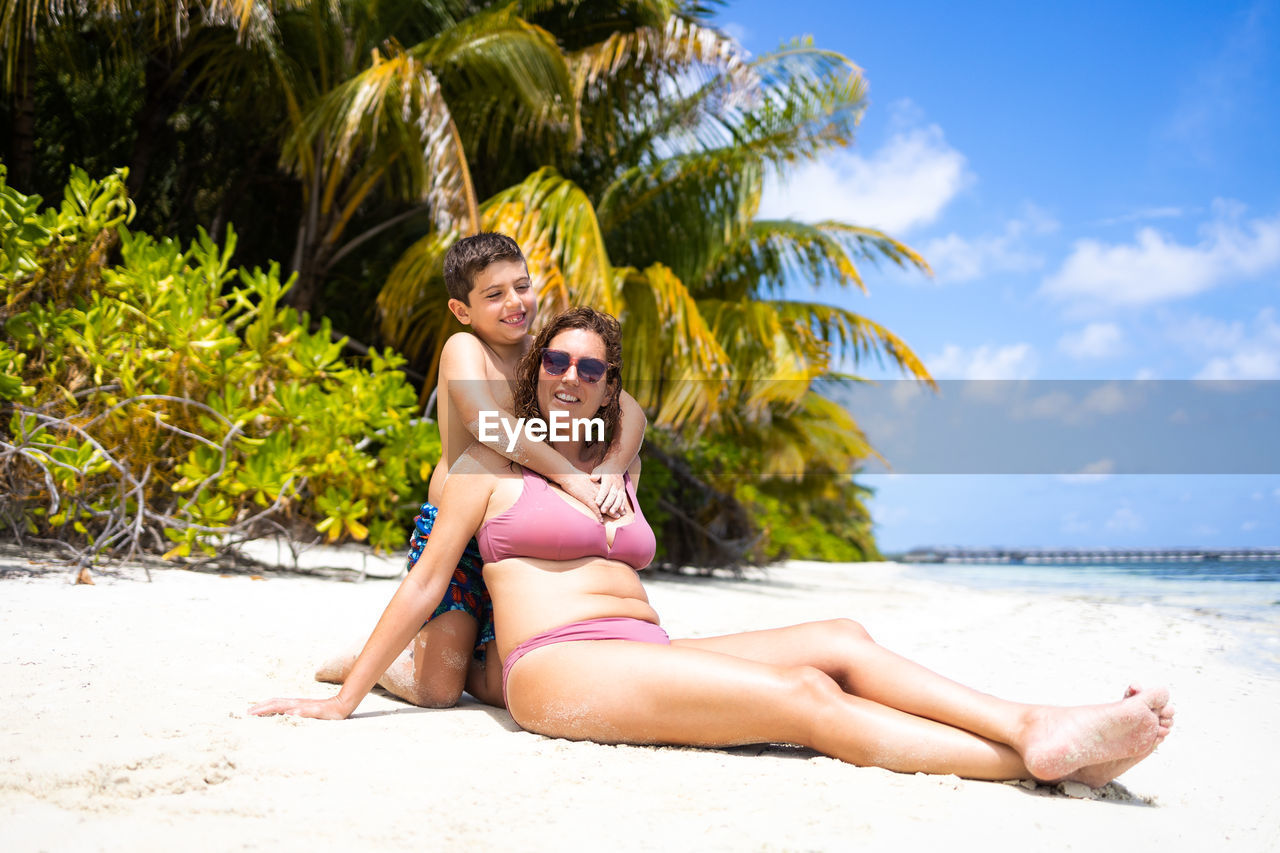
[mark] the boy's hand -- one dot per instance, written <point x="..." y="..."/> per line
<point x="611" y="495"/>
<point x="583" y="488"/>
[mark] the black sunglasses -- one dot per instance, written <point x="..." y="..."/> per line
<point x="557" y="362"/>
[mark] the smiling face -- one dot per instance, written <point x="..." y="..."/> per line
<point x="576" y="333"/>
<point x="501" y="305"/>
<point x="568" y="392"/>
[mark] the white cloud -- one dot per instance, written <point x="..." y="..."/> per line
<point x="905" y="183"/>
<point x="1197" y="333"/>
<point x="1155" y="268"/>
<point x="1144" y="214"/>
<point x="1094" y="472"/>
<point x="1051" y="406"/>
<point x="956" y="258"/>
<point x="1217" y="93"/>
<point x="1253" y="354"/>
<point x="1107" y="400"/>
<point x="736" y="31"/>
<point x="1096" y="340"/>
<point x="1125" y="519"/>
<point x="1014" y="361"/>
<point x="1072" y="523"/>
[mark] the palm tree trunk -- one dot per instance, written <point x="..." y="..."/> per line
<point x="23" y="142"/>
<point x="160" y="102"/>
<point x="307" y="260"/>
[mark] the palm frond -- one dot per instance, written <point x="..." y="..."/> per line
<point x="549" y="215"/>
<point x="787" y="105"/>
<point x="554" y="224"/>
<point x="389" y="120"/>
<point x="701" y="188"/>
<point x="673" y="365"/>
<point x="497" y="51"/>
<point x="577" y="23"/>
<point x="679" y="211"/>
<point x="413" y="304"/>
<point x="164" y="22"/>
<point x="812" y="437"/>
<point x="773" y="253"/>
<point x="851" y="336"/>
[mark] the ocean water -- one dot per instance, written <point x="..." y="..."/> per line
<point x="1242" y="596"/>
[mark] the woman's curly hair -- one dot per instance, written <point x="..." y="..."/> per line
<point x="528" y="371"/>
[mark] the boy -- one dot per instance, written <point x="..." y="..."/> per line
<point x="490" y="291"/>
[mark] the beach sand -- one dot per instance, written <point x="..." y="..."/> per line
<point x="124" y="727"/>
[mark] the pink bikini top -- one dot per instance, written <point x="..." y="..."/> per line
<point x="542" y="525"/>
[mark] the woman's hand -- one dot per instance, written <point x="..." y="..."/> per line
<point x="316" y="709"/>
<point x="611" y="496"/>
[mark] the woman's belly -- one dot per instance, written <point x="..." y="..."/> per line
<point x="533" y="596"/>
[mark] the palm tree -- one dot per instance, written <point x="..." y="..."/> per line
<point x="654" y="216"/>
<point x="624" y="143"/>
<point x="375" y="118"/>
<point x="352" y="98"/>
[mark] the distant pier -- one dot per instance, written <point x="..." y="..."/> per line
<point x="1086" y="555"/>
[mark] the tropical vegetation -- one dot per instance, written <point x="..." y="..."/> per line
<point x="155" y="398"/>
<point x="626" y="145"/>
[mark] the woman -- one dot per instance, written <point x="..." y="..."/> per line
<point x="585" y="659"/>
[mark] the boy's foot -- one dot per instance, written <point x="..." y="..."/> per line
<point x="336" y="669"/>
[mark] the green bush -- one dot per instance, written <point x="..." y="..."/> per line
<point x="155" y="398"/>
<point x="714" y="508"/>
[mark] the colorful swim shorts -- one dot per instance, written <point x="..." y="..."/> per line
<point x="466" y="591"/>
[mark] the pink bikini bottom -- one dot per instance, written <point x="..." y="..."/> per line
<point x="609" y="628"/>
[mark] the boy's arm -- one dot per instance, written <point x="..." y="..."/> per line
<point x="471" y="392"/>
<point x="623" y="450"/>
<point x="414" y="600"/>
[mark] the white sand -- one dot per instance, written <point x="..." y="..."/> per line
<point x="124" y="728"/>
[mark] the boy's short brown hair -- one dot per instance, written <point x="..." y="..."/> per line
<point x="470" y="255"/>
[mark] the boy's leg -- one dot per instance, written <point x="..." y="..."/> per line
<point x="433" y="669"/>
<point x="484" y="678"/>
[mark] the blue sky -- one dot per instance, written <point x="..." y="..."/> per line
<point x="1096" y="188"/>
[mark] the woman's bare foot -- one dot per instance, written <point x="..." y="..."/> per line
<point x="1165" y="712"/>
<point x="1059" y="743"/>
<point x="1097" y="775"/>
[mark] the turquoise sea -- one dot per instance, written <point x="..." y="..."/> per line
<point x="1243" y="596"/>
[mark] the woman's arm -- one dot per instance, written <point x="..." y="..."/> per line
<point x="470" y="393"/>
<point x="466" y="497"/>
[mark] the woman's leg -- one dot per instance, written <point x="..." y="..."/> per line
<point x="622" y="692"/>
<point x="1049" y="738"/>
<point x="432" y="670"/>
